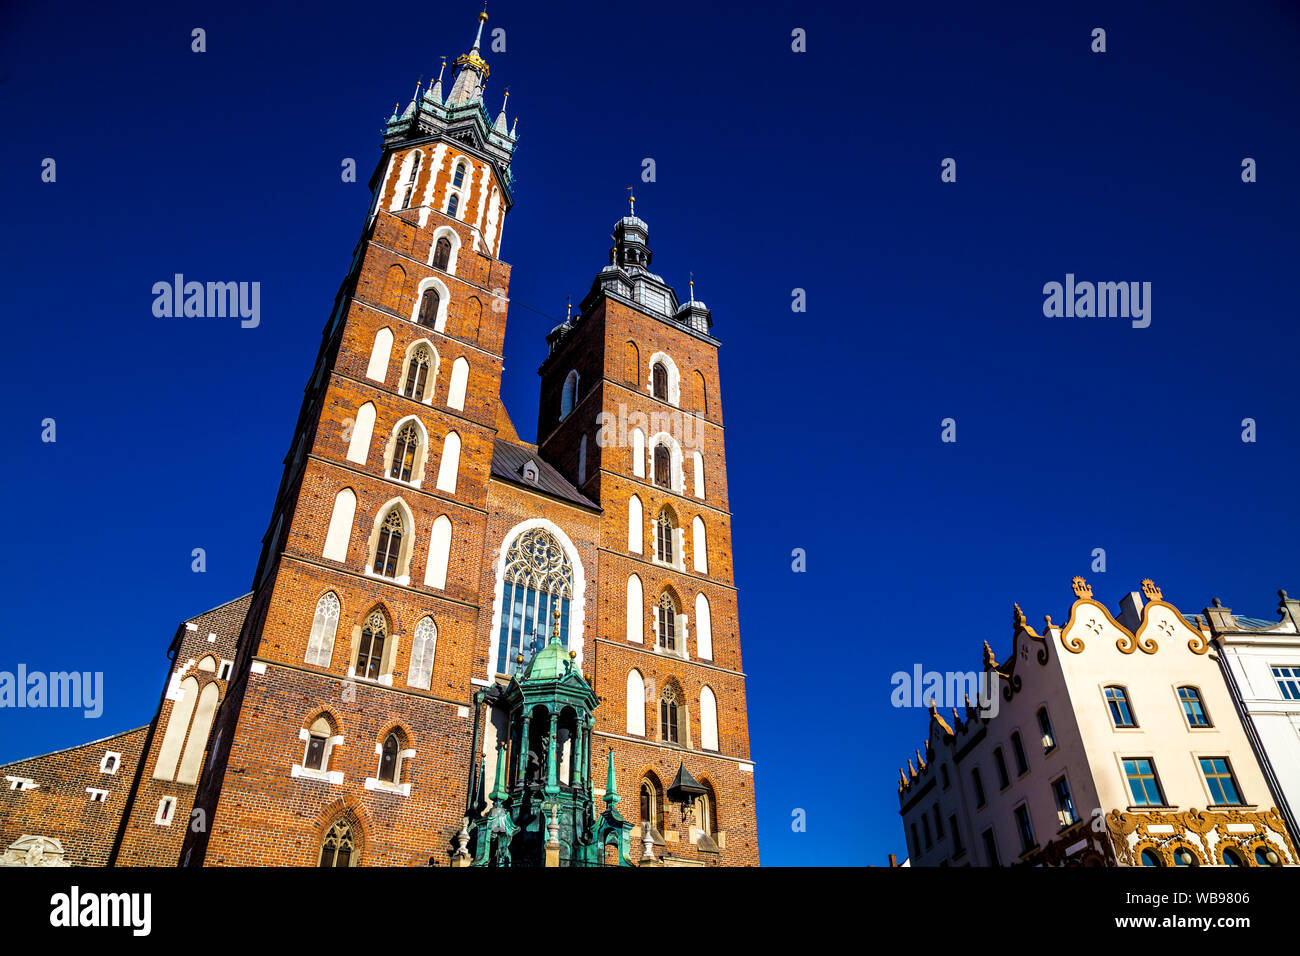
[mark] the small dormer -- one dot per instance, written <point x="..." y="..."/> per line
<point x="529" y="471"/>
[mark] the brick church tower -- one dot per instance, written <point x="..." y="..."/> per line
<point x="420" y="555"/>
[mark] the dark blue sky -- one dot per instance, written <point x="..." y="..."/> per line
<point x="776" y="170"/>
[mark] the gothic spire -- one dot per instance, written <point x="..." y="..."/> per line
<point x="471" y="71"/>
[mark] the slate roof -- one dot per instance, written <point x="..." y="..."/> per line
<point x="508" y="460"/>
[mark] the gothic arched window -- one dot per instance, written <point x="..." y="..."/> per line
<point x="422" y="649"/>
<point x="404" y="452"/>
<point x="417" y="371"/>
<point x="320" y="645"/>
<point x="388" y="759"/>
<point x="538" y="578"/>
<point x="665" y="530"/>
<point x="339" y="848"/>
<point x="452" y="205"/>
<point x="669" y="706"/>
<point x="667" y="622"/>
<point x="390" y="545"/>
<point x="370" y="655"/>
<point x="458" y="177"/>
<point x="429" y="307"/>
<point x="663" y="466"/>
<point x="659" y="381"/>
<point x="652" y="810"/>
<point x="410" y="182"/>
<point x="316" y="757"/>
<point x="442" y="253"/>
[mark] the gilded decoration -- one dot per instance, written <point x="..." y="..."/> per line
<point x="1193" y="829"/>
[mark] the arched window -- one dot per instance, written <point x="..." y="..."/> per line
<point x="428" y="315"/>
<point x="178" y="723"/>
<point x="582" y="461"/>
<point x="635" y="703"/>
<point x="669" y="708"/>
<point x="435" y="572"/>
<point x="404" y="452"/>
<point x="452" y="205"/>
<point x="652" y="810"/>
<point x="663" y="466"/>
<point x="192" y="760"/>
<point x="703" y="628"/>
<point x="1150" y="858"/>
<point x="362" y="428"/>
<point x="339" y="847"/>
<point x="377" y="368"/>
<point x="631" y="362"/>
<point x="459" y="381"/>
<point x="1193" y="707"/>
<point x="706" y="817"/>
<point x="423" y="646"/>
<point x="569" y="396"/>
<point x="340" y="527"/>
<point x="701" y="393"/>
<point x="708" y="719"/>
<point x="698" y="461"/>
<point x="320" y="646"/>
<point x="390" y="544"/>
<point x="667" y="622"/>
<point x="1121" y="714"/>
<point x="635" y="610"/>
<point x="449" y="465"/>
<point x="638" y="453"/>
<point x="442" y="253"/>
<point x="635" y="532"/>
<point x="417" y="369"/>
<point x="1232" y="857"/>
<point x="317" y="753"/>
<point x="410" y="182"/>
<point x="458" y="177"/>
<point x="209" y="664"/>
<point x="659" y="381"/>
<point x="390" y="760"/>
<point x="537" y="579"/>
<point x="700" y="545"/>
<point x="665" y="531"/>
<point x="1266" y="856"/>
<point x="370" y="652"/>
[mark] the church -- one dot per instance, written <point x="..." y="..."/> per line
<point x="460" y="648"/>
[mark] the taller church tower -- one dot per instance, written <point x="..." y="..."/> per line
<point x="384" y="707"/>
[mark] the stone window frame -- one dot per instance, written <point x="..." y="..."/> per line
<point x="166" y="812"/>
<point x="116" y="759"/>
<point x="332" y="742"/>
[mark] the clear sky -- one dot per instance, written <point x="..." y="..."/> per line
<point x="776" y="171"/>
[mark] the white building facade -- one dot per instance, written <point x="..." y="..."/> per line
<point x="1114" y="742"/>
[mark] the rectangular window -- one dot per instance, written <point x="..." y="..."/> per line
<point x="979" y="787"/>
<point x="1018" y="748"/>
<point x="943" y="773"/>
<point x="97" y="796"/>
<point x="1143" y="782"/>
<point x="916" y="840"/>
<point x="1024" y="828"/>
<point x="315" y="752"/>
<point x="957" y="848"/>
<point x="1218" y="777"/>
<point x="990" y="848"/>
<point x="1065" y="815"/>
<point x="999" y="761"/>
<point x="1288" y="682"/>
<point x="925" y="828"/>
<point x="224" y="670"/>
<point x="1045" y="729"/>
<point x="164" y="815"/>
<point x="938" y="823"/>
